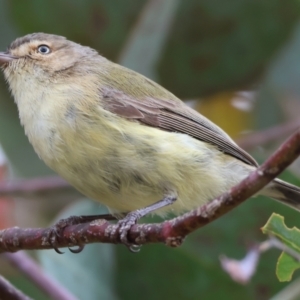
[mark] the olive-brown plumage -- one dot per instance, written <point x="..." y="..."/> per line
<point x="118" y="137"/>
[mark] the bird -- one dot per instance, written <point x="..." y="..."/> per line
<point x="120" y="138"/>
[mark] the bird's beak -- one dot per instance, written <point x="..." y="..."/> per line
<point x="6" y="58"/>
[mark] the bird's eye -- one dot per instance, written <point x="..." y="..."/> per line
<point x="43" y="49"/>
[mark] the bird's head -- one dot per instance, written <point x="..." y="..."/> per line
<point x="43" y="56"/>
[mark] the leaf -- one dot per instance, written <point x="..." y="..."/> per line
<point x="290" y="237"/>
<point x="286" y="266"/>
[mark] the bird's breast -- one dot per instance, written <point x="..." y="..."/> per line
<point x="126" y="165"/>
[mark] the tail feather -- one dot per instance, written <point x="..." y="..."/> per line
<point x="284" y="192"/>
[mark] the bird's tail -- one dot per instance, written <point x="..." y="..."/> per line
<point x="284" y="192"/>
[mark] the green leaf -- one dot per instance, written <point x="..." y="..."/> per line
<point x="290" y="237"/>
<point x="286" y="266"/>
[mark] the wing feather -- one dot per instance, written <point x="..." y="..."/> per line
<point x="174" y="117"/>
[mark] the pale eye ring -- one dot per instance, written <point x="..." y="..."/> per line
<point x="43" y="49"/>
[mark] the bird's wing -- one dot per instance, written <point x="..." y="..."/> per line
<point x="173" y="116"/>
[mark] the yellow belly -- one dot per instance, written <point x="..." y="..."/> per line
<point x="132" y="166"/>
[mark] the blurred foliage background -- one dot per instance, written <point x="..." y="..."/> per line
<point x="206" y="52"/>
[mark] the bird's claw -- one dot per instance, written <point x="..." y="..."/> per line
<point x="124" y="227"/>
<point x="52" y="236"/>
<point x="55" y="231"/>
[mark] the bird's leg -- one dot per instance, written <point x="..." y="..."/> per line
<point x="55" y="231"/>
<point x="131" y="218"/>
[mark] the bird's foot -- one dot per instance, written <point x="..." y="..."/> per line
<point x="124" y="227"/>
<point x="55" y="231"/>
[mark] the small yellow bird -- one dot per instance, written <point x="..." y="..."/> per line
<point x="118" y="137"/>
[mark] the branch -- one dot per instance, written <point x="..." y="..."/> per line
<point x="171" y="232"/>
<point x="268" y="135"/>
<point x="32" y="270"/>
<point x="9" y="292"/>
<point x="27" y="186"/>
